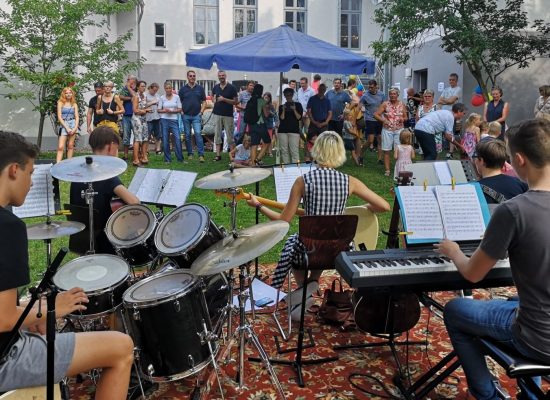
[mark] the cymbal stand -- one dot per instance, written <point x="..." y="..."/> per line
<point x="88" y="195"/>
<point x="243" y="329"/>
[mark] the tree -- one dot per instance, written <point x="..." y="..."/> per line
<point x="43" y="48"/>
<point x="489" y="36"/>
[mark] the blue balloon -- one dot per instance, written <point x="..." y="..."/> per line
<point x="478" y="89"/>
<point x="360" y="87"/>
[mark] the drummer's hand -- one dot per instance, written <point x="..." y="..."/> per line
<point x="72" y="300"/>
<point x="253" y="201"/>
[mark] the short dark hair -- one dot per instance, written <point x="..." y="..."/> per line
<point x="102" y="136"/>
<point x="288" y="90"/>
<point x="454" y="75"/>
<point x="140" y="82"/>
<point x="493" y="153"/>
<point x="190" y="71"/>
<point x="532" y="139"/>
<point x="459" y="107"/>
<point x="292" y="80"/>
<point x="258" y="90"/>
<point x="303" y="78"/>
<point x="316" y="77"/>
<point x="372" y="82"/>
<point x="14" y="148"/>
<point x="323" y="86"/>
<point x="98" y="85"/>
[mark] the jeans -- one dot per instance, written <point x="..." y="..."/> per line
<point x="153" y="127"/>
<point x="195" y="122"/>
<point x="467" y="319"/>
<point x="427" y="143"/>
<point x="167" y="126"/>
<point x="126" y="129"/>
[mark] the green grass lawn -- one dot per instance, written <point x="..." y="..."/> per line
<point x="372" y="174"/>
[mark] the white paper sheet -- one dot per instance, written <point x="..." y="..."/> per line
<point x="443" y="172"/>
<point x="40" y="199"/>
<point x="284" y="179"/>
<point x="162" y="186"/>
<point x="260" y="289"/>
<point x="421" y="212"/>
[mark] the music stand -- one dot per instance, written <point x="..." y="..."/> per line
<point x="324" y="237"/>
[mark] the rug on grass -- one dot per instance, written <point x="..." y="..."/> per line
<point x="330" y="381"/>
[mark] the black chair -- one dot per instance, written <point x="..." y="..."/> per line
<point x="79" y="243"/>
<point x="517" y="366"/>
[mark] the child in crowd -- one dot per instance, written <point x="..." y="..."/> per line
<point x="483" y="130"/>
<point x="351" y="136"/>
<point x="471" y="134"/>
<point x="403" y="152"/>
<point x="240" y="155"/>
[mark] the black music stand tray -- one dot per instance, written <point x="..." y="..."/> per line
<point x="324" y="237"/>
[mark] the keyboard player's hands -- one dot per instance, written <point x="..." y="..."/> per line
<point x="447" y="248"/>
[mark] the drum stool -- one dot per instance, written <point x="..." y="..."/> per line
<point x="517" y="366"/>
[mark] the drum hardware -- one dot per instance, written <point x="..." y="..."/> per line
<point x="208" y="337"/>
<point x="136" y="356"/>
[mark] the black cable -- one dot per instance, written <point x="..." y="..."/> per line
<point x="375" y="379"/>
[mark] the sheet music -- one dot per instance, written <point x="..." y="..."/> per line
<point x="162" y="186"/>
<point x="421" y="212"/>
<point x="177" y="188"/>
<point x="284" y="179"/>
<point x="443" y="172"/>
<point x="461" y="212"/>
<point x="40" y="199"/>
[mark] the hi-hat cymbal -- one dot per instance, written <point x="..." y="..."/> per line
<point x="230" y="252"/>
<point x="229" y="179"/>
<point x="86" y="169"/>
<point x="53" y="230"/>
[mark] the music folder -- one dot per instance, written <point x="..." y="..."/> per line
<point x="162" y="186"/>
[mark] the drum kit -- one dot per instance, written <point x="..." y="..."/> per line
<point x="177" y="309"/>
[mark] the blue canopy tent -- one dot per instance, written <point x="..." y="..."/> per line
<point x="279" y="50"/>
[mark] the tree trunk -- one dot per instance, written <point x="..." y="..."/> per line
<point x="40" y="130"/>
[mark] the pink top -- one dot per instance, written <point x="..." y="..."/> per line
<point x="394" y="115"/>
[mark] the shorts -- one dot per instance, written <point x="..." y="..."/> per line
<point x="373" y="128"/>
<point x="25" y="366"/>
<point x="70" y="123"/>
<point x="390" y="139"/>
<point x="222" y="122"/>
<point x="258" y="134"/>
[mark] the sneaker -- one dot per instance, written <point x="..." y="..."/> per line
<point x="201" y="159"/>
<point x="218" y="158"/>
<point x="296" y="311"/>
<point x="190" y="156"/>
<point x="295" y="297"/>
<point x="259" y="163"/>
<point x="449" y="156"/>
<point x="387" y="173"/>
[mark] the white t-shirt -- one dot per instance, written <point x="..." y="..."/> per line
<point x="242" y="154"/>
<point x="439" y="121"/>
<point x="451" y="92"/>
<point x="173" y="103"/>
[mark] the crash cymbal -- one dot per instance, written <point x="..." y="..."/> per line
<point x="230" y="252"/>
<point x="229" y="179"/>
<point x="88" y="168"/>
<point x="53" y="230"/>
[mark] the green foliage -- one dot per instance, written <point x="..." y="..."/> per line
<point x="44" y="47"/>
<point x="489" y="36"/>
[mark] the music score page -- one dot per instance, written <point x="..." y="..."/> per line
<point x="420" y="212"/>
<point x="284" y="179"/>
<point x="40" y="199"/>
<point x="162" y="186"/>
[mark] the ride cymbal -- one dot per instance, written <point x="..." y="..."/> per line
<point x="229" y="179"/>
<point x="86" y="169"/>
<point x="53" y="230"/>
<point x="231" y="252"/>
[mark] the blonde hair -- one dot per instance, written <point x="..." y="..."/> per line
<point x="63" y="99"/>
<point x="484" y="126"/>
<point x="471" y="118"/>
<point x="495" y="128"/>
<point x="328" y="150"/>
<point x="405" y="137"/>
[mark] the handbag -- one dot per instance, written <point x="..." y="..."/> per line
<point x="337" y="307"/>
<point x="360" y="123"/>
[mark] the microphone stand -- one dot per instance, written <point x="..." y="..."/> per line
<point x="45" y="288"/>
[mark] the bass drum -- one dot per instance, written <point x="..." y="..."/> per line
<point x="130" y="229"/>
<point x="165" y="314"/>
<point x="185" y="233"/>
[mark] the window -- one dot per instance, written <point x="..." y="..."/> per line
<point x="160" y="35"/>
<point x="350" y="23"/>
<point x="295" y="14"/>
<point x="244" y="17"/>
<point x="205" y="22"/>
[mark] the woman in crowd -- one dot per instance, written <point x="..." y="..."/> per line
<point x="542" y="106"/>
<point x="288" y="135"/>
<point x="169" y="108"/>
<point x="67" y="117"/>
<point x="139" y="126"/>
<point x="324" y="191"/>
<point x="427" y="107"/>
<point x="496" y="110"/>
<point x="152" y="117"/>
<point x="271" y="121"/>
<point x="393" y="114"/>
<point x="109" y="107"/>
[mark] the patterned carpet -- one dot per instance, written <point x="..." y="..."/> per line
<point x="329" y="381"/>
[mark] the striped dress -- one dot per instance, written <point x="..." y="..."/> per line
<point x="326" y="193"/>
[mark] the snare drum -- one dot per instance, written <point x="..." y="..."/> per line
<point x="103" y="277"/>
<point x="165" y="314"/>
<point x="185" y="233"/>
<point x="130" y="229"/>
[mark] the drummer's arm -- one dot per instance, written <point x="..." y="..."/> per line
<point x="125" y="195"/>
<point x="375" y="203"/>
<point x="290" y="208"/>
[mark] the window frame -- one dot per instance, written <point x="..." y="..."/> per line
<point x="350" y="12"/>
<point x="156" y="36"/>
<point x="295" y="9"/>
<point x="207" y="7"/>
<point x="245" y="7"/>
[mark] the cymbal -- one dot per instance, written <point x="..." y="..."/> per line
<point x="230" y="252"/>
<point x="53" y="230"/>
<point x="91" y="168"/>
<point x="228" y="179"/>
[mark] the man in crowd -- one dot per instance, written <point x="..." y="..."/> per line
<point x="304" y="94"/>
<point x="338" y="99"/>
<point x="91" y="116"/>
<point x="371" y="101"/>
<point x="193" y="102"/>
<point x="126" y="94"/>
<point x="440" y="121"/>
<point x="319" y="111"/>
<point x="293" y="85"/>
<point x="451" y="95"/>
<point x="243" y="97"/>
<point x="225" y="97"/>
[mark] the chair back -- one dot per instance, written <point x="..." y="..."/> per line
<point x="326" y="236"/>
<point x="80" y="242"/>
<point x="367" y="227"/>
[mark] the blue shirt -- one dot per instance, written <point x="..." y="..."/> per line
<point x="371" y="102"/>
<point x="440" y="121"/>
<point x="338" y="101"/>
<point x="127" y="104"/>
<point x="191" y="99"/>
<point x="319" y="107"/>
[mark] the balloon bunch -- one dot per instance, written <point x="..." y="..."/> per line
<point x="359" y="88"/>
<point x="477" y="97"/>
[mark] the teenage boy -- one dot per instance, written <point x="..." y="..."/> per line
<point x="519" y="229"/>
<point x="24" y="364"/>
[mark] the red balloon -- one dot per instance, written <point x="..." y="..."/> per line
<point x="360" y="93"/>
<point x="477" y="100"/>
